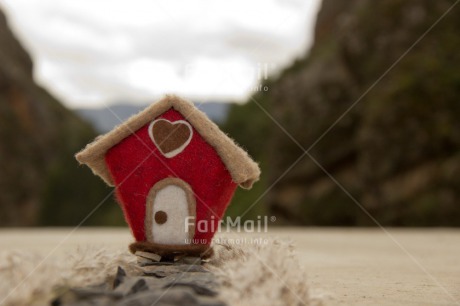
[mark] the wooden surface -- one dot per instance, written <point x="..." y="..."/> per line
<point x="346" y="266"/>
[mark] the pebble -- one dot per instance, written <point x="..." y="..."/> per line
<point x="178" y="281"/>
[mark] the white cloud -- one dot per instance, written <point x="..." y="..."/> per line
<point x="150" y="75"/>
<point x="92" y="52"/>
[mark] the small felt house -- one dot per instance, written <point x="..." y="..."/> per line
<point x="172" y="168"/>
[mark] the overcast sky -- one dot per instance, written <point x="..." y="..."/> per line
<point x="92" y="52"/>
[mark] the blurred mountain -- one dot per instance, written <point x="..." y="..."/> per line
<point x="397" y="151"/>
<point x="105" y="119"/>
<point x="40" y="181"/>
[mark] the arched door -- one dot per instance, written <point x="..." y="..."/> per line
<point x="170" y="213"/>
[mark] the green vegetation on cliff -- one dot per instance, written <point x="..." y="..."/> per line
<point x="397" y="151"/>
<point x="40" y="181"/>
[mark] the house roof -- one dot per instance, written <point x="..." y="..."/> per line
<point x="242" y="168"/>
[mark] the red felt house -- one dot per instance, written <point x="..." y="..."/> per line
<point x="174" y="172"/>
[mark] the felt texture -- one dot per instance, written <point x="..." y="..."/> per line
<point x="161" y="217"/>
<point x="172" y="202"/>
<point x="136" y="165"/>
<point x="244" y="171"/>
<point x="171" y="138"/>
<point x="176" y="200"/>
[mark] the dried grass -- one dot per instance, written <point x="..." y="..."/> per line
<point x="261" y="274"/>
<point x="250" y="274"/>
<point x="31" y="278"/>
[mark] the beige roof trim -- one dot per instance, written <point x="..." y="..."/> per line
<point x="242" y="168"/>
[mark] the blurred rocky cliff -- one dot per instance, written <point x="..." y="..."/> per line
<point x="40" y="182"/>
<point x="397" y="151"/>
